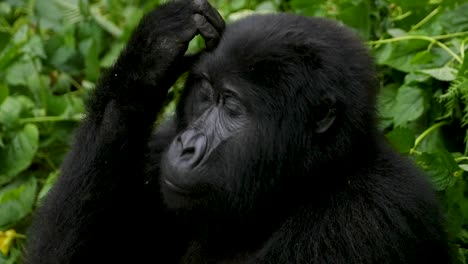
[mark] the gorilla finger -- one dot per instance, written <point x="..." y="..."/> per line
<point x="213" y="16"/>
<point x="207" y="31"/>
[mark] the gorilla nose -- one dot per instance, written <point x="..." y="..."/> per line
<point x="192" y="147"/>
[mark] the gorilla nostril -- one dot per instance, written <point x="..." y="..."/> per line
<point x="188" y="151"/>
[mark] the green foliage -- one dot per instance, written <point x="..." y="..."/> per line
<point x="53" y="51"/>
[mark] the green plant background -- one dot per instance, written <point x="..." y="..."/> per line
<point x="53" y="51"/>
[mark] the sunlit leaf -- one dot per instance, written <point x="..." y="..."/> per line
<point x="409" y="105"/>
<point x="443" y="74"/>
<point x="17" y="200"/>
<point x="18" y="154"/>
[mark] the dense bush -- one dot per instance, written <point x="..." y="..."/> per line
<point x="53" y="51"/>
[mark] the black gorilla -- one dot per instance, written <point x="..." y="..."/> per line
<point x="273" y="155"/>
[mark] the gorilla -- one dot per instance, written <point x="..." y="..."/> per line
<point x="272" y="156"/>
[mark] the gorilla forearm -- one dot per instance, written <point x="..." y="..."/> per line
<point x="100" y="177"/>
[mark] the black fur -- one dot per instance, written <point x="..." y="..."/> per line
<point x="292" y="170"/>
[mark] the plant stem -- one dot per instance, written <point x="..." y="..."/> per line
<point x="47" y="119"/>
<point x="460" y="159"/>
<point x="427" y="132"/>
<point x="430" y="39"/>
<point x="427" y="18"/>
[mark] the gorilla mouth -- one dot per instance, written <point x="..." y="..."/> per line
<point x="174" y="187"/>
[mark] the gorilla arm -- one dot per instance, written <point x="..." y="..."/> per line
<point x="83" y="217"/>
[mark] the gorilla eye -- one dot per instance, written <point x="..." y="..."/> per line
<point x="206" y="92"/>
<point x="232" y="104"/>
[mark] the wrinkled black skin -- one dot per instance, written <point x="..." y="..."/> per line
<point x="273" y="155"/>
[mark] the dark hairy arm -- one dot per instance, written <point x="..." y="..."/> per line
<point x="100" y="189"/>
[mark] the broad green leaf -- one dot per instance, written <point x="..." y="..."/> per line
<point x="3" y="92"/>
<point x="4" y="39"/>
<point x="308" y="8"/>
<point x="20" y="71"/>
<point x="423" y="57"/>
<point x="397" y="32"/>
<point x="402" y="139"/>
<point x="17" y="200"/>
<point x="359" y="22"/>
<point x="455" y="20"/>
<point x="386" y="104"/>
<point x="416" y="78"/>
<point x="463" y="167"/>
<point x="456" y="207"/>
<point x="432" y="142"/>
<point x="34" y="47"/>
<point x="10" y="111"/>
<point x="266" y="7"/>
<point x="409" y="105"/>
<point x="114" y="52"/>
<point x="442" y="74"/>
<point x="238" y="4"/>
<point x="9" y="56"/>
<point x="133" y="16"/>
<point x="105" y="23"/>
<point x="50" y="181"/>
<point x="399" y="55"/>
<point x="5" y="9"/>
<point x="67" y="105"/>
<point x="48" y="14"/>
<point x="90" y="50"/>
<point x="19" y="153"/>
<point x="440" y="166"/>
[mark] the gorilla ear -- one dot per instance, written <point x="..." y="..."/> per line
<point x="327" y="116"/>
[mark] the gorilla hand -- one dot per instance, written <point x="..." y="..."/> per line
<point x="158" y="45"/>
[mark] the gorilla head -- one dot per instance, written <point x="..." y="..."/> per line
<point x="279" y="101"/>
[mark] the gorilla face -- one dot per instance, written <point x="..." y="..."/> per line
<point x="263" y="111"/>
<point x="214" y="118"/>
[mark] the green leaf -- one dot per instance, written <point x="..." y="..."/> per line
<point x="17" y="200"/>
<point x="442" y="74"/>
<point x="455" y="20"/>
<point x="113" y="54"/>
<point x="48" y="14"/>
<point x="463" y="167"/>
<point x="386" y="104"/>
<point x="34" y="47"/>
<point x="432" y="142"/>
<point x="399" y="55"/>
<point x="19" y="72"/>
<point x="361" y="22"/>
<point x="19" y="153"/>
<point x="106" y="24"/>
<point x="67" y="105"/>
<point x="416" y="78"/>
<point x="237" y="4"/>
<point x="50" y="181"/>
<point x="440" y="166"/>
<point x="10" y="111"/>
<point x="409" y="105"/>
<point x="402" y="139"/>
<point x="89" y="48"/>
<point x="3" y="92"/>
